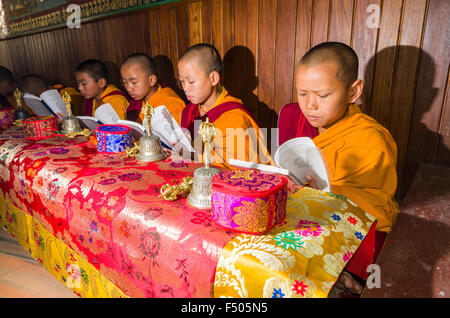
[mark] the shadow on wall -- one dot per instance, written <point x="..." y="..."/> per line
<point x="423" y="139"/>
<point x="239" y="78"/>
<point x="166" y="75"/>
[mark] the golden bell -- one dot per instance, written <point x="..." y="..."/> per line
<point x="150" y="149"/>
<point x="70" y="124"/>
<point x="200" y="196"/>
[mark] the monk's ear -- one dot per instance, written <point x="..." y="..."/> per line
<point x="214" y="78"/>
<point x="102" y="82"/>
<point x="356" y="90"/>
<point x="153" y="79"/>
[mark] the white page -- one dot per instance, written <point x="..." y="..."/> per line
<point x="167" y="128"/>
<point x="106" y="114"/>
<point x="36" y="105"/>
<point x="301" y="157"/>
<point x="138" y="129"/>
<point x="90" y="122"/>
<point x="54" y="100"/>
<point x="259" y="166"/>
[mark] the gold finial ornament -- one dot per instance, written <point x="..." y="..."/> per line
<point x="208" y="132"/>
<point x="200" y="196"/>
<point x="18" y="96"/>
<point x="19" y="113"/>
<point x="150" y="148"/>
<point x="67" y="99"/>
<point x="70" y="124"/>
<point x="148" y="111"/>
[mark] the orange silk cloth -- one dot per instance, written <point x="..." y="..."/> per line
<point x="238" y="136"/>
<point x="167" y="97"/>
<point x="361" y="156"/>
<point x="118" y="102"/>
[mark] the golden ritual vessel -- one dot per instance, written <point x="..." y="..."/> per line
<point x="70" y="124"/>
<point x="150" y="148"/>
<point x="200" y="196"/>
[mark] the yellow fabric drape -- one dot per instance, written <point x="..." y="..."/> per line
<point x="71" y="269"/>
<point x="301" y="257"/>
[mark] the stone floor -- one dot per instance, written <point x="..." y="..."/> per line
<point x="415" y="259"/>
<point x="23" y="277"/>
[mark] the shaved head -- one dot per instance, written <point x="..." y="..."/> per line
<point x="343" y="55"/>
<point x="206" y="56"/>
<point x="144" y="61"/>
<point x="33" y="84"/>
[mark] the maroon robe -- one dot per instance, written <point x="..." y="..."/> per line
<point x="292" y="123"/>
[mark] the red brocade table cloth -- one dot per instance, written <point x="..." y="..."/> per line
<point x="106" y="208"/>
<point x="95" y="221"/>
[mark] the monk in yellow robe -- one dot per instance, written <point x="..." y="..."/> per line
<point x="237" y="134"/>
<point x="139" y="78"/>
<point x="92" y="80"/>
<point x="360" y="153"/>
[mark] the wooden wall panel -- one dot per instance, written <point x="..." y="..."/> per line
<point x="341" y="17"/>
<point x="320" y="21"/>
<point x="404" y="62"/>
<point x="284" y="53"/>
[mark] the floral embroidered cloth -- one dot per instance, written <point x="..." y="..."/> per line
<point x="105" y="208"/>
<point x="95" y="221"/>
<point x="300" y="257"/>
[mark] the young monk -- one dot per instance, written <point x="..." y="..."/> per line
<point x="36" y="84"/>
<point x="139" y="78"/>
<point x="7" y="87"/>
<point x="92" y="81"/>
<point x="360" y="153"/>
<point x="200" y="72"/>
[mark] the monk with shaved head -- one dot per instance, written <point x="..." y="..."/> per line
<point x="139" y="77"/>
<point x="361" y="154"/>
<point x="237" y="134"/>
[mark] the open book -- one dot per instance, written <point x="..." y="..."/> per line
<point x="163" y="125"/>
<point x="105" y="114"/>
<point x="49" y="103"/>
<point x="301" y="157"/>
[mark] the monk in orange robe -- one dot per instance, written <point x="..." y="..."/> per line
<point x="360" y="153"/>
<point x="92" y="81"/>
<point x="237" y="134"/>
<point x="139" y="77"/>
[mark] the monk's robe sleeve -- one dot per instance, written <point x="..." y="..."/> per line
<point x="167" y="97"/>
<point x="175" y="108"/>
<point x="119" y="103"/>
<point x="239" y="137"/>
<point x="366" y="174"/>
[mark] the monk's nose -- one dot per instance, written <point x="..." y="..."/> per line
<point x="311" y="103"/>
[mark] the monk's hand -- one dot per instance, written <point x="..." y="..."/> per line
<point x="310" y="182"/>
<point x="176" y="152"/>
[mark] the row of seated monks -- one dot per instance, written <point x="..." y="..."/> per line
<point x="359" y="152"/>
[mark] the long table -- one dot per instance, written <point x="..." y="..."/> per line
<point x="96" y="222"/>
